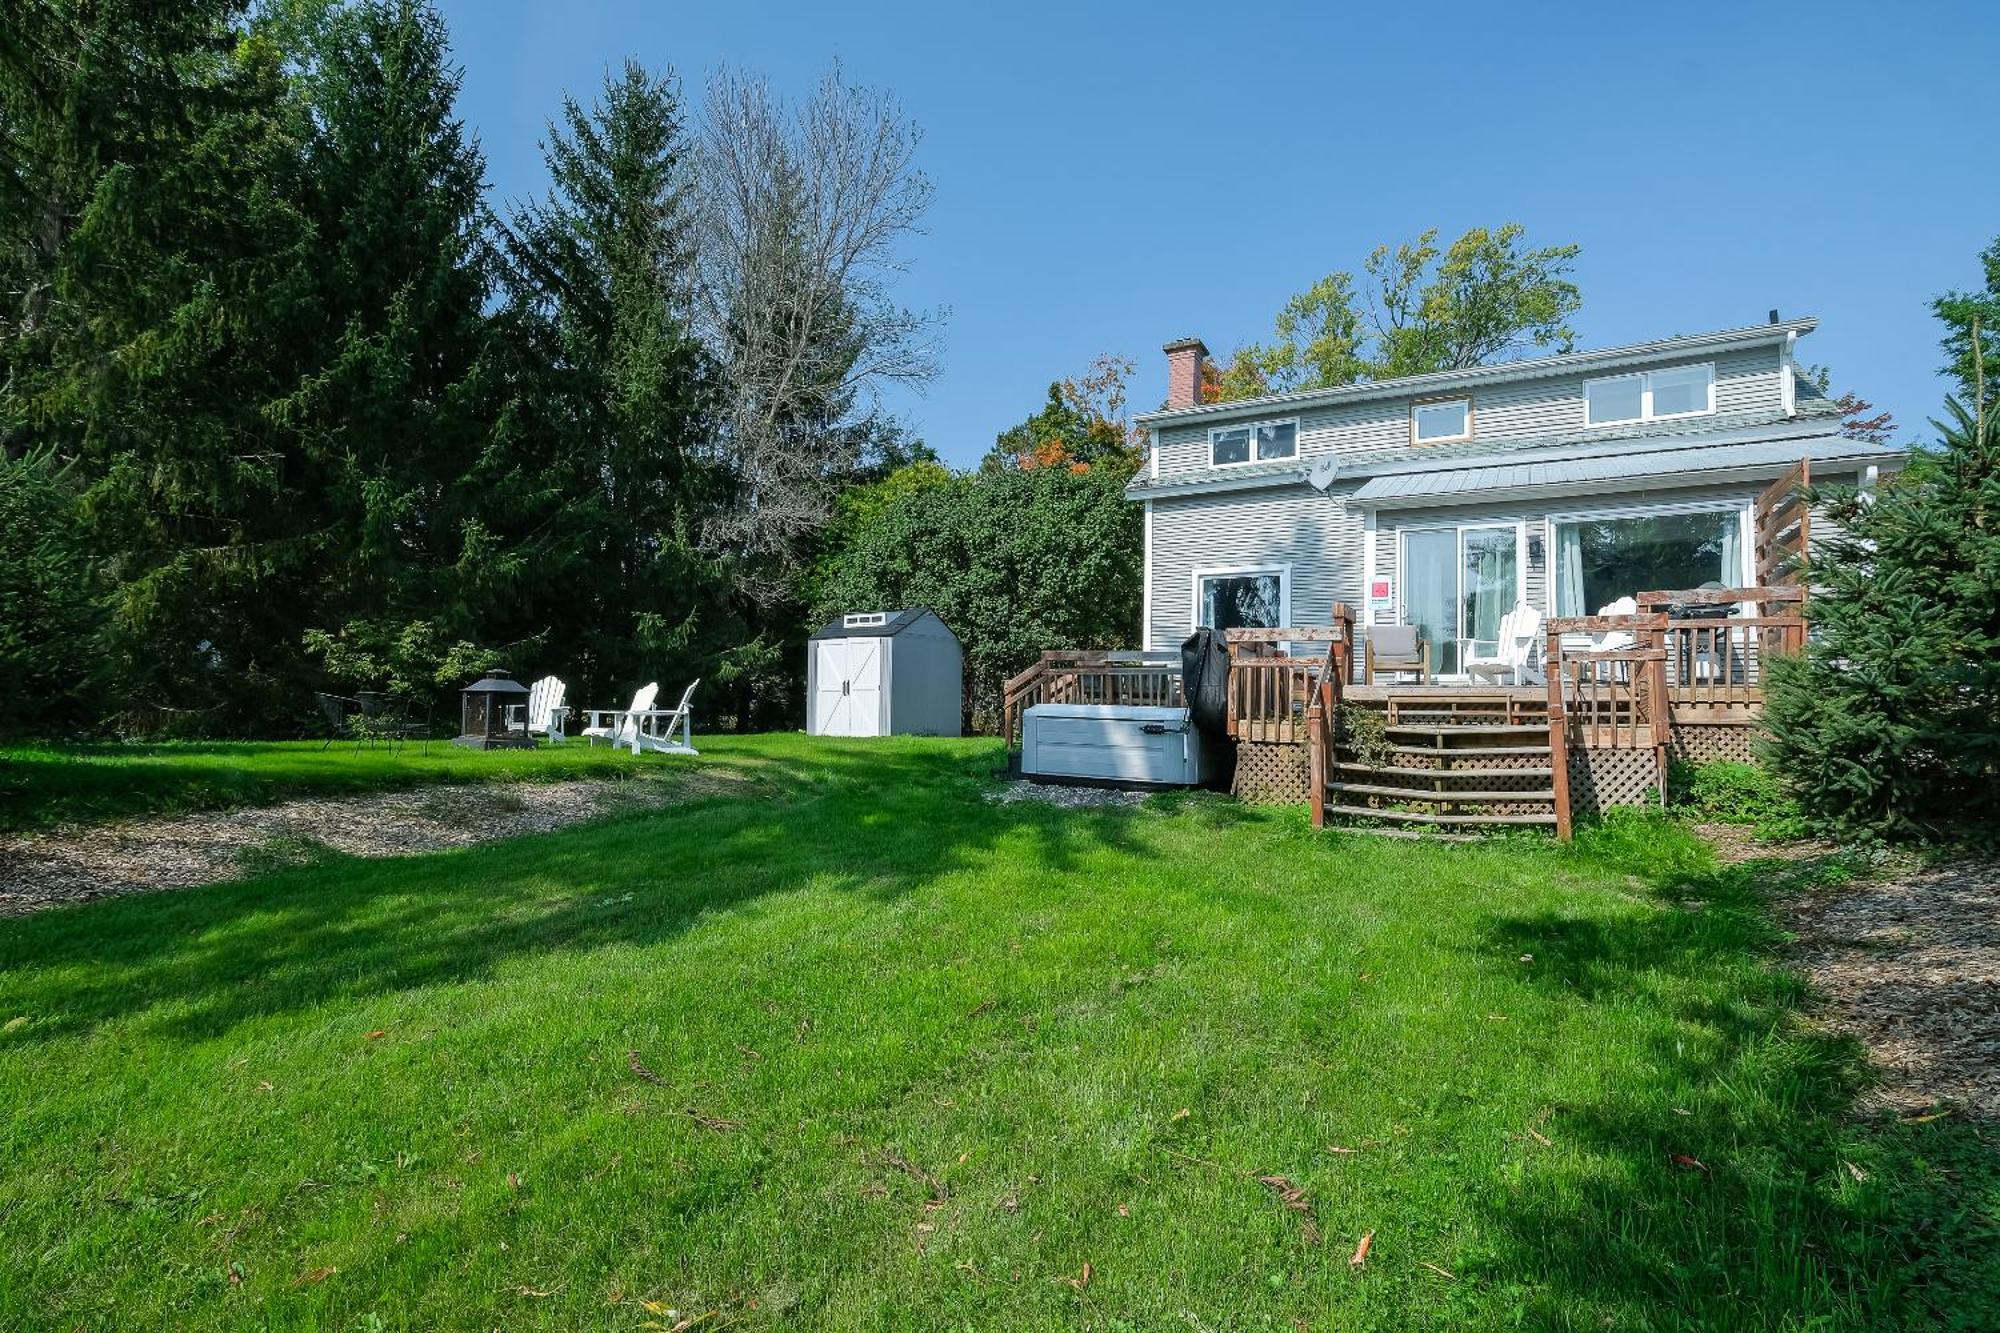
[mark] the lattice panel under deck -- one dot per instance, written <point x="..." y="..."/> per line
<point x="1600" y="779"/>
<point x="1271" y="773"/>
<point x="1707" y="745"/>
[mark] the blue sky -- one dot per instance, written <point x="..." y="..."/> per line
<point x="1110" y="177"/>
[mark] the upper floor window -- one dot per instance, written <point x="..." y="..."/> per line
<point x="1442" y="422"/>
<point x="1648" y="395"/>
<point x="1261" y="442"/>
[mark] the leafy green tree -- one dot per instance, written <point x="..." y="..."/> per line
<point x="616" y="394"/>
<point x="1485" y="297"/>
<point x="1014" y="561"/>
<point x="1961" y="312"/>
<point x="1082" y="425"/>
<point x="1890" y="721"/>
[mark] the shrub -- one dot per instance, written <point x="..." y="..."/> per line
<point x="1015" y="562"/>
<point x="1732" y="793"/>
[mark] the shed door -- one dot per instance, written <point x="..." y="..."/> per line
<point x="848" y="699"/>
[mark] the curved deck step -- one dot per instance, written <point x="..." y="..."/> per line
<point x="1439" y="797"/>
<point x="1413" y="817"/>
<point x="1469" y="729"/>
<point x="1431" y="774"/>
<point x="1470" y="751"/>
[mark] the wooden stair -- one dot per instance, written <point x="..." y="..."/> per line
<point x="1466" y="770"/>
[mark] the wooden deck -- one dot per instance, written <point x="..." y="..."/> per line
<point x="1599" y="732"/>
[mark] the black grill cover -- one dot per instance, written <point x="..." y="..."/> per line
<point x="1205" y="678"/>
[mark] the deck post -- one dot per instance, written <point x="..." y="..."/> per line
<point x="1558" y="734"/>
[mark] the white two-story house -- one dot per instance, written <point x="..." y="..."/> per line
<point x="1442" y="500"/>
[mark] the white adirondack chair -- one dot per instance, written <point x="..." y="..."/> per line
<point x="1508" y="658"/>
<point x="644" y="727"/>
<point x="1616" y="638"/>
<point x="1610" y="640"/>
<point x="619" y="726"/>
<point x="546" y="711"/>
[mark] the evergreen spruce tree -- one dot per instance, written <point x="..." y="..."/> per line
<point x="615" y="391"/>
<point x="1890" y="721"/>
<point x="150" y="243"/>
<point x="393" y="410"/>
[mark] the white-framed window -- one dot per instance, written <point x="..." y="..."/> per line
<point x="1650" y="395"/>
<point x="860" y="618"/>
<point x="1257" y="442"/>
<point x="1441" y="421"/>
<point x="1598" y="557"/>
<point x="1243" y="596"/>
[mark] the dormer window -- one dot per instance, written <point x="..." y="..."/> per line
<point x="1259" y="443"/>
<point x="1443" y="421"/>
<point x="1684" y="391"/>
<point x="860" y="619"/>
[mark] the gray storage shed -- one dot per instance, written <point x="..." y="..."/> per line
<point x="885" y="673"/>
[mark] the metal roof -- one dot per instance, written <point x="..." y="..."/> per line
<point x="891" y="624"/>
<point x="1501" y="480"/>
<point x="1534" y="368"/>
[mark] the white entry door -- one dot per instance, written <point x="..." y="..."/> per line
<point x="847" y="695"/>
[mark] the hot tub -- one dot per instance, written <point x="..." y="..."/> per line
<point x="1123" y="744"/>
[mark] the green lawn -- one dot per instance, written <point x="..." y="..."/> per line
<point x="914" y="1059"/>
<point x="43" y="785"/>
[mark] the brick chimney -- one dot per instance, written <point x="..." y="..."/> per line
<point x="1184" y="358"/>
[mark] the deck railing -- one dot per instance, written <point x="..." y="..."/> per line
<point x="1092" y="676"/>
<point x="1272" y="686"/>
<point x="1716" y="668"/>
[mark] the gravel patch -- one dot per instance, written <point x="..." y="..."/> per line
<point x="1067" y="797"/>
<point x="81" y="864"/>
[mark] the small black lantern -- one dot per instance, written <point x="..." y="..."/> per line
<point x="484" y="723"/>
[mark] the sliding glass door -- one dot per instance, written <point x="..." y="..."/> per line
<point x="1457" y="584"/>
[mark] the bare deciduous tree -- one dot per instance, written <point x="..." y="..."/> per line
<point x="803" y="213"/>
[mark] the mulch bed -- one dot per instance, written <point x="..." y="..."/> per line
<point x="80" y="864"/>
<point x="1907" y="961"/>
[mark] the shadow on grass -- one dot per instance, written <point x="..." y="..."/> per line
<point x="880" y="822"/>
<point x="1727" y="1182"/>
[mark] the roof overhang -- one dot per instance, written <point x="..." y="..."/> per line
<point x="1445" y="381"/>
<point x="1493" y="481"/>
<point x="1385" y="481"/>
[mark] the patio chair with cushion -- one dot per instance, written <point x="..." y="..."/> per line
<point x="1397" y="650"/>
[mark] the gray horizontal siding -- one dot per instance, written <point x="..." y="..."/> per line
<point x="1317" y="535"/>
<point x="1747" y="388"/>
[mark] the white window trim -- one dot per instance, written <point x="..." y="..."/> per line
<point x="1146" y="582"/>
<point x="1646" y="412"/>
<point x="1252" y="426"/>
<point x="1745" y="528"/>
<point x="1416" y="404"/>
<point x="1282" y="569"/>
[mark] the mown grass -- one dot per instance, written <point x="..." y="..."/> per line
<point x="871" y="1051"/>
<point x="46" y="785"/>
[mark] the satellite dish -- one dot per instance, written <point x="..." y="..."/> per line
<point x="1322" y="472"/>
